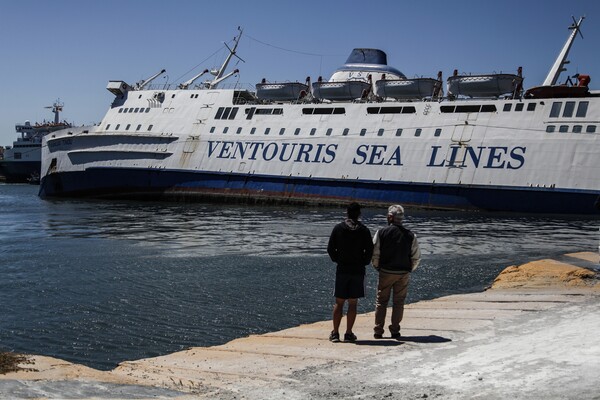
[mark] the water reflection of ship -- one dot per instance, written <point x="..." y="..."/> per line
<point x="22" y="161"/>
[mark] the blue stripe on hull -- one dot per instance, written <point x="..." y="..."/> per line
<point x="186" y="185"/>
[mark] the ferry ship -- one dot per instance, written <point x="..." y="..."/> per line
<point x="368" y="134"/>
<point x="22" y="162"/>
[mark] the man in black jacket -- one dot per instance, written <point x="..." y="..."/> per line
<point x="350" y="246"/>
<point x="395" y="255"/>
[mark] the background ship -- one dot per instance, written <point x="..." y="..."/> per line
<point x="485" y="146"/>
<point x="22" y="162"/>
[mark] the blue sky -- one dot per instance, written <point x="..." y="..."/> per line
<point x="70" y="49"/>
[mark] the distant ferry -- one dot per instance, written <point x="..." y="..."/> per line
<point x="368" y="134"/>
<point x="22" y="162"/>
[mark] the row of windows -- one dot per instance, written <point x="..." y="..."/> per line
<point x="391" y="110"/>
<point x="574" y="129"/>
<point x="470" y="108"/>
<point x="567" y="111"/>
<point x="226" y="112"/>
<point x="128" y="126"/>
<point x="313" y="131"/>
<point x="134" y="110"/>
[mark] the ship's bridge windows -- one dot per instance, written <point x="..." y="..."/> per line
<point x="507" y="107"/>
<point x="569" y="108"/>
<point x="519" y="107"/>
<point x="550" y="128"/>
<point x="582" y="109"/>
<point x="577" y="128"/>
<point x="563" y="128"/>
<point x="324" y="111"/>
<point x="590" y="129"/>
<point x="531" y="106"/>
<point x="555" y="111"/>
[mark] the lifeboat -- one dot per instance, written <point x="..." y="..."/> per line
<point x="409" y="89"/>
<point x="285" y="91"/>
<point x="341" y="91"/>
<point x="561" y="91"/>
<point x="493" y="85"/>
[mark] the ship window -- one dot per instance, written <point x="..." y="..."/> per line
<point x="173" y="96"/>
<point x="297" y="131"/>
<point x="550" y="128"/>
<point x="282" y="131"/>
<point x="409" y="110"/>
<point x="418" y="132"/>
<point x="269" y="111"/>
<point x="250" y="112"/>
<point x="252" y="131"/>
<point x="519" y="107"/>
<point x="398" y="132"/>
<point x="531" y="106"/>
<point x="191" y="96"/>
<point x="131" y="110"/>
<point x="277" y="111"/>
<point x="384" y="110"/>
<point x="345" y="132"/>
<point x="313" y="131"/>
<point x="239" y="130"/>
<point x="582" y="109"/>
<point x="488" y="108"/>
<point x="569" y="107"/>
<point x="468" y="108"/>
<point x="447" y="109"/>
<point x="234" y="111"/>
<point x="127" y="127"/>
<point x="219" y="113"/>
<point x="328" y="133"/>
<point x="563" y="128"/>
<point x="137" y="109"/>
<point x="555" y="111"/>
<point x="107" y="127"/>
<point x="147" y="109"/>
<point x="212" y="129"/>
<point x="117" y="127"/>
<point x="577" y="128"/>
<point x="17" y="156"/>
<point x="380" y="132"/>
<point x="590" y="129"/>
<point x="363" y="132"/>
<point x="226" y="113"/>
<point x="438" y="132"/>
<point x="267" y="130"/>
<point x="150" y="127"/>
<point x="125" y="110"/>
<point x="225" y="129"/>
<point x="138" y="127"/>
<point x="507" y="107"/>
<point x="120" y="110"/>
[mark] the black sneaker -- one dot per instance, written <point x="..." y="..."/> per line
<point x="334" y="337"/>
<point x="378" y="336"/>
<point x="349" y="337"/>
<point x="396" y="336"/>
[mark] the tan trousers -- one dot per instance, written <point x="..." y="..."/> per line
<point x="388" y="282"/>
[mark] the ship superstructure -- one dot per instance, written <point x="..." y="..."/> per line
<point x="367" y="134"/>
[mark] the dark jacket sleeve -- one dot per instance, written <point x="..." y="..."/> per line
<point x="332" y="247"/>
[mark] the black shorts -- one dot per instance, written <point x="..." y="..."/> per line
<point x="349" y="286"/>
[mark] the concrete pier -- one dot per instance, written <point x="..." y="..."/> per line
<point x="534" y="334"/>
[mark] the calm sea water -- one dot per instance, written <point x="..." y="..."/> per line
<point x="97" y="282"/>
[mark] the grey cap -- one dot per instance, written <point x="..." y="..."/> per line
<point x="397" y="212"/>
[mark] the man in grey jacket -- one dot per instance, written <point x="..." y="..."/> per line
<point x="396" y="254"/>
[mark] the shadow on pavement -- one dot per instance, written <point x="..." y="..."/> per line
<point x="388" y="341"/>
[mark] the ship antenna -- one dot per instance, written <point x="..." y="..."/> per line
<point x="219" y="77"/>
<point x="561" y="60"/>
<point x="56" y="109"/>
